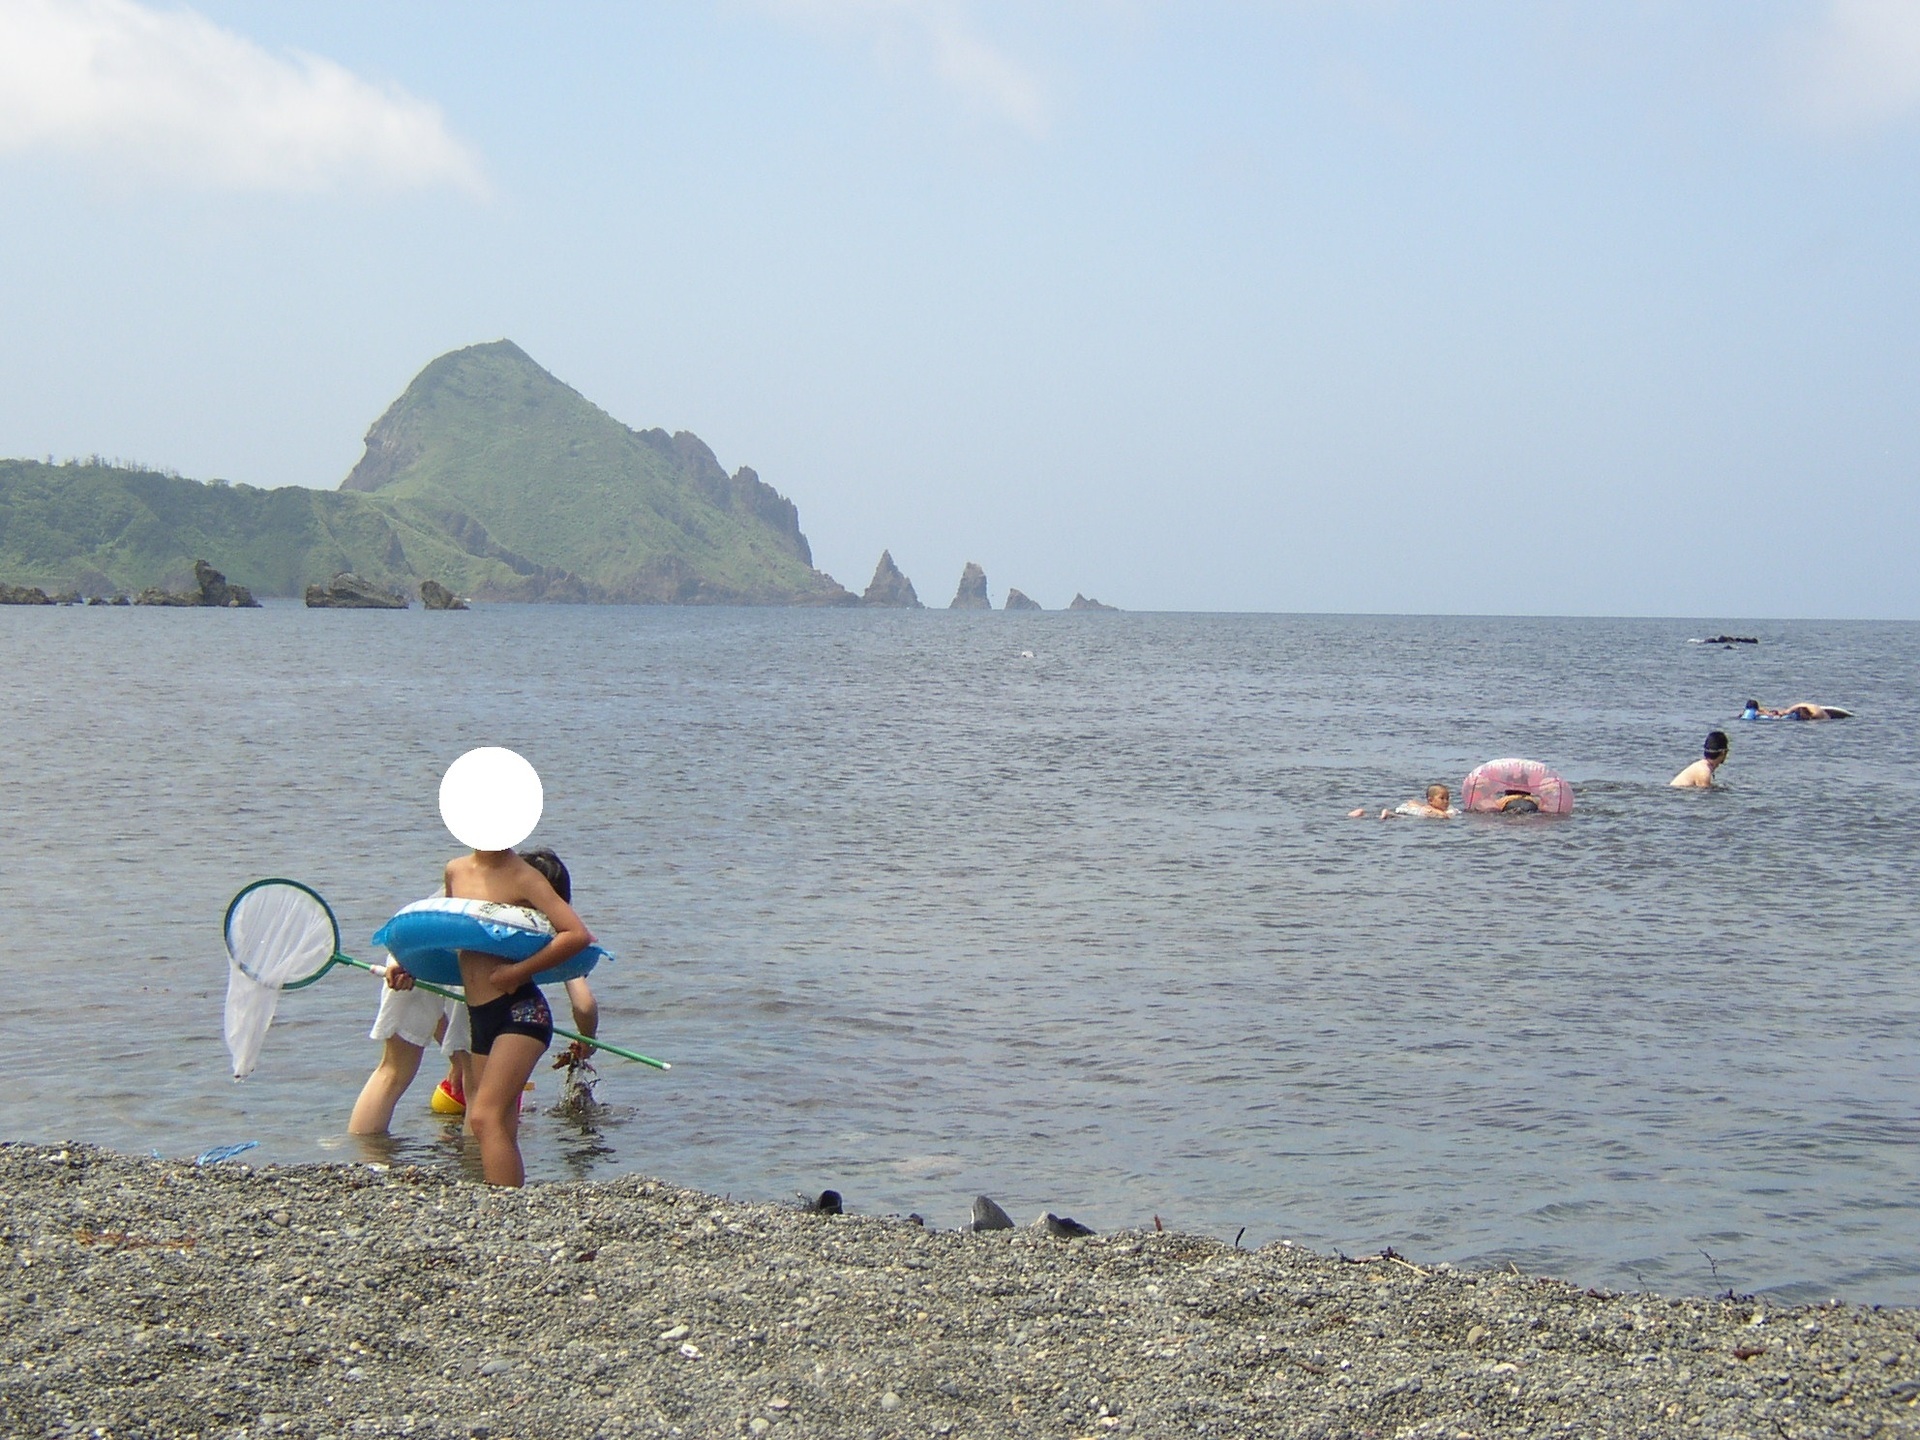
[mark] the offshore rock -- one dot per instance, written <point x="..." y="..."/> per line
<point x="1081" y="602"/>
<point x="210" y="588"/>
<point x="436" y="596"/>
<point x="347" y="591"/>
<point x="972" y="594"/>
<point x="1018" y="600"/>
<point x="24" y="595"/>
<point x="889" y="587"/>
<point x="214" y="589"/>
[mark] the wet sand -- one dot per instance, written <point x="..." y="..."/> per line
<point x="154" y="1298"/>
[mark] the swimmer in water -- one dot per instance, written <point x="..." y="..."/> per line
<point x="1805" y="710"/>
<point x="1699" y="775"/>
<point x="1437" y="806"/>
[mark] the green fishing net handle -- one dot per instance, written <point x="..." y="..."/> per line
<point x="339" y="959"/>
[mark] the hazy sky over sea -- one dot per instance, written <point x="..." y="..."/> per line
<point x="1349" y="305"/>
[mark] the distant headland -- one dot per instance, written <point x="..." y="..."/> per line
<point x="487" y="478"/>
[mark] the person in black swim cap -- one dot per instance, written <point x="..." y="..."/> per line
<point x="1699" y="775"/>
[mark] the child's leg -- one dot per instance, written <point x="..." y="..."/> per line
<point x="474" y="1068"/>
<point x="457" y="1045"/>
<point x="493" y="1106"/>
<point x="373" y="1111"/>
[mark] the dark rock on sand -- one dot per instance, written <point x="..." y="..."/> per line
<point x="889" y="587"/>
<point x="1018" y="600"/>
<point x="972" y="594"/>
<point x="436" y="596"/>
<point x="989" y="1216"/>
<point x="1063" y="1227"/>
<point x="24" y="595"/>
<point x="210" y="588"/>
<point x="347" y="591"/>
<point x="1081" y="602"/>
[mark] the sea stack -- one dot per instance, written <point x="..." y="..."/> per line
<point x="435" y="596"/>
<point x="889" y="587"/>
<point x="210" y="588"/>
<point x="1081" y="602"/>
<point x="347" y="591"/>
<point x="1018" y="600"/>
<point x="972" y="594"/>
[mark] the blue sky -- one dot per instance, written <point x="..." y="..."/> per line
<point x="1337" y="305"/>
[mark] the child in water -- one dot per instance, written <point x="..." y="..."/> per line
<point x="1699" y="775"/>
<point x="511" y="1026"/>
<point x="1437" y="806"/>
<point x="410" y="1019"/>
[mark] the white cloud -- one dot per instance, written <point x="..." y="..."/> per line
<point x="940" y="36"/>
<point x="1860" y="64"/>
<point x="169" y="95"/>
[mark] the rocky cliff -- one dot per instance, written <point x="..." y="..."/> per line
<point x="543" y="495"/>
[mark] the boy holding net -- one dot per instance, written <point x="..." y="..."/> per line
<point x="410" y="1019"/>
<point x="509" y="1023"/>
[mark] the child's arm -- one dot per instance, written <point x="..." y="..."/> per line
<point x="586" y="1013"/>
<point x="570" y="934"/>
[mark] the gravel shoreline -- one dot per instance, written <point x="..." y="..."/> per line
<point x="156" y="1298"/>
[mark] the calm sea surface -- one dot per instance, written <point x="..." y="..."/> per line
<point x="918" y="914"/>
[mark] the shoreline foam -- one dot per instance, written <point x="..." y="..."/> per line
<point x="151" y="1297"/>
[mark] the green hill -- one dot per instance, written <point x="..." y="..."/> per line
<point x="487" y="474"/>
<point x="99" y="528"/>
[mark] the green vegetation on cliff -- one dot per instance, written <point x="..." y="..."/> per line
<point x="97" y="528"/>
<point x="487" y="475"/>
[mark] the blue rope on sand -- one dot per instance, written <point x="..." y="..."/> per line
<point x="225" y="1152"/>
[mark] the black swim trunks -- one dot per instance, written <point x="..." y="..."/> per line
<point x="524" y="1012"/>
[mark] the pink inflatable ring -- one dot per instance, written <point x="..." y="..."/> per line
<point x="1494" y="786"/>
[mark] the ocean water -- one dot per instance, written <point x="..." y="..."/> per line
<point x="1062" y="908"/>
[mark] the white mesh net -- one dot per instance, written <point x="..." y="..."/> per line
<point x="278" y="933"/>
<point x="250" y="1007"/>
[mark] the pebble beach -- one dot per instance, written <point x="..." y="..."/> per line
<point x="159" y="1298"/>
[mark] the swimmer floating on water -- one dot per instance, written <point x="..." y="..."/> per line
<point x="1437" y="806"/>
<point x="1804" y="710"/>
<point x="1699" y="775"/>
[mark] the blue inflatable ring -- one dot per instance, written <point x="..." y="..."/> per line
<point x="426" y="935"/>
